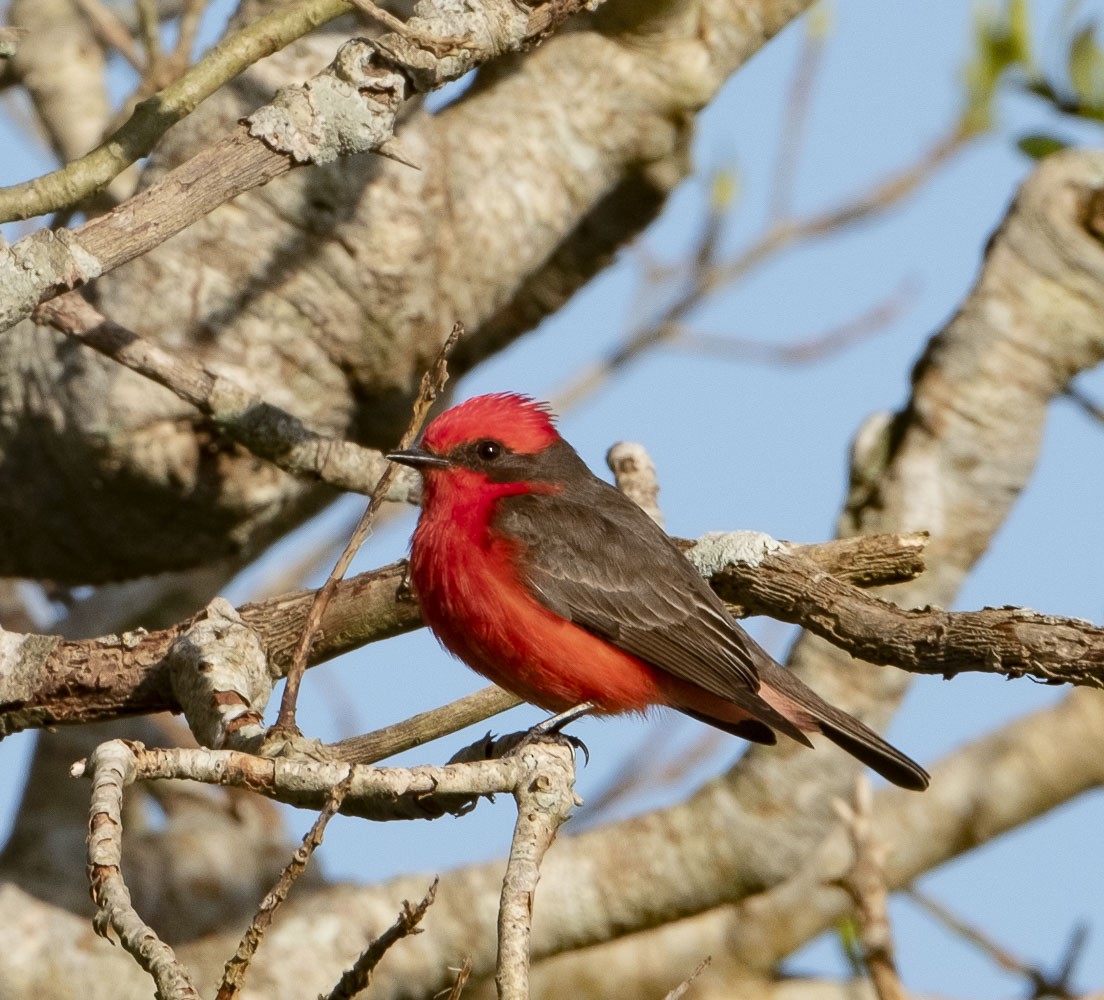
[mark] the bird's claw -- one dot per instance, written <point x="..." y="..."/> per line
<point x="542" y="733"/>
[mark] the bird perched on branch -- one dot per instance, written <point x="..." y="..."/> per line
<point x="550" y="582"/>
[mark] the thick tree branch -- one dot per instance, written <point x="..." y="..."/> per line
<point x="52" y="681"/>
<point x="48" y="681"/>
<point x="1013" y="642"/>
<point x="351" y="107"/>
<point x="329" y="302"/>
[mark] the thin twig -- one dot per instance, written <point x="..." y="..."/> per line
<point x="865" y="883"/>
<point x="424" y="727"/>
<point x="110" y="31"/>
<point x="189" y="25"/>
<point x="1043" y="984"/>
<point x="808" y="350"/>
<point x="238" y="965"/>
<point x="357" y="978"/>
<point x="796" y="119"/>
<point x="462" y="976"/>
<point x="432" y="383"/>
<point x="680" y="991"/>
<point x="149" y="27"/>
<point x="703" y="281"/>
<point x="266" y="430"/>
<point x="381" y="16"/>
<point x="1087" y="404"/>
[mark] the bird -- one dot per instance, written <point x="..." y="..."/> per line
<point x="550" y="582"/>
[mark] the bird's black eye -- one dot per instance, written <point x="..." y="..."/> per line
<point x="488" y="450"/>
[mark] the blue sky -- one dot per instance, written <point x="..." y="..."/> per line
<point x="742" y="445"/>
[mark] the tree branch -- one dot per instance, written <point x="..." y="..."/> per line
<point x="545" y="796"/>
<point x="328" y="303"/>
<point x="266" y="430"/>
<point x="351" y="107"/>
<point x="48" y="681"/>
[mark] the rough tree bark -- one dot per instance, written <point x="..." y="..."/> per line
<point x="324" y="293"/>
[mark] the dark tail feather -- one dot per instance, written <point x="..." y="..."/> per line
<point x="751" y="730"/>
<point x="867" y="746"/>
<point x="847" y="732"/>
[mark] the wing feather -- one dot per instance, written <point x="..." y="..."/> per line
<point x="583" y="560"/>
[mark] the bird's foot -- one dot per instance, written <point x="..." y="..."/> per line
<point x="553" y="726"/>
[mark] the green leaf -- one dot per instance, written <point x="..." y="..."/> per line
<point x="1037" y="145"/>
<point x="1019" y="35"/>
<point x="1000" y="43"/>
<point x="1086" y="66"/>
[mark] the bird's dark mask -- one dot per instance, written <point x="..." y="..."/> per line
<point x="497" y="462"/>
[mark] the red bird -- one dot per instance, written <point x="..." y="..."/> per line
<point x="550" y="582"/>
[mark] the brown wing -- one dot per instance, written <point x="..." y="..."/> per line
<point x="599" y="561"/>
<point x="594" y="558"/>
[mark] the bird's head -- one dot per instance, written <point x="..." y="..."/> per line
<point x="499" y="438"/>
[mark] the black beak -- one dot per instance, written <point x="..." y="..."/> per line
<point x="418" y="458"/>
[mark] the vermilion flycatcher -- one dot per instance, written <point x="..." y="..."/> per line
<point x="551" y="583"/>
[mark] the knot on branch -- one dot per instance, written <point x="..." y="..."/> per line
<point x="348" y="108"/>
<point x="431" y="51"/>
<point x="220" y="676"/>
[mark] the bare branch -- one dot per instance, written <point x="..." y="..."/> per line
<point x="680" y="991"/>
<point x="110" y="30"/>
<point x="433" y="381"/>
<point x="112" y="768"/>
<point x="1086" y="403"/>
<point x="545" y="796"/>
<point x="120" y="675"/>
<point x="266" y="430"/>
<point x="359" y="976"/>
<point x="1013" y="642"/>
<point x="234" y="973"/>
<point x="424" y="727"/>
<point x="1042" y="983"/>
<point x="708" y="274"/>
<point x="864" y="881"/>
<point x="380" y="794"/>
<point x="799" y="103"/>
<point x="808" y="350"/>
<point x="462" y="975"/>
